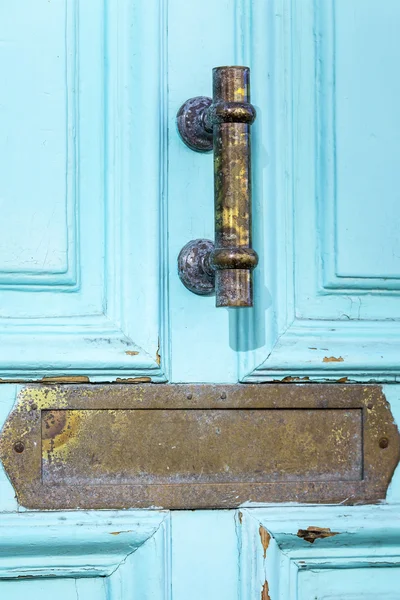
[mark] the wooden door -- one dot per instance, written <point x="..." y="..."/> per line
<point x="98" y="195"/>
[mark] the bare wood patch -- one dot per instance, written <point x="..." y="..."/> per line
<point x="265" y="539"/>
<point x="158" y="355"/>
<point x="66" y="379"/>
<point x="315" y="533"/>
<point x="133" y="380"/>
<point x="265" y="592"/>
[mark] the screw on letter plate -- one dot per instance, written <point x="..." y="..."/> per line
<point x="19" y="447"/>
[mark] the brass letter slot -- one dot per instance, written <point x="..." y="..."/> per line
<point x="164" y="446"/>
<point x="179" y="446"/>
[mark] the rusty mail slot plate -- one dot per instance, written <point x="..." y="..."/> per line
<point x="177" y="446"/>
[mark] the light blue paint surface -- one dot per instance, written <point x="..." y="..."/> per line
<point x="110" y="194"/>
<point x="98" y="195"/>
<point x="205" y="547"/>
<point x="48" y="589"/>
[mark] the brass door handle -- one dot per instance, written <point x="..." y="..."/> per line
<point x="223" y="124"/>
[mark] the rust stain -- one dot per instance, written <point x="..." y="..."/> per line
<point x="265" y="592"/>
<point x="119" y="532"/>
<point x="265" y="539"/>
<point x="315" y="533"/>
<point x="133" y="380"/>
<point x="131" y="352"/>
<point x="58" y="428"/>
<point x="327" y="359"/>
<point x="66" y="379"/>
<point x="342" y="380"/>
<point x="53" y="423"/>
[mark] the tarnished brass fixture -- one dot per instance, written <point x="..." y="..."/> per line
<point x="223" y="124"/>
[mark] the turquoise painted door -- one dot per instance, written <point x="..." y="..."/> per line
<point x="98" y="195"/>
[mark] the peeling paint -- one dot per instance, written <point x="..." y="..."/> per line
<point x="52" y="379"/>
<point x="265" y="592"/>
<point x="328" y="359"/>
<point x="315" y="533"/>
<point x="158" y="355"/>
<point x="290" y="379"/>
<point x="131" y="352"/>
<point x="265" y="539"/>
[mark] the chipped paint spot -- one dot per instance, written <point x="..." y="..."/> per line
<point x="131" y="352"/>
<point x="315" y="533"/>
<point x="240" y="516"/>
<point x="133" y="380"/>
<point x="265" y="592"/>
<point x="265" y="539"/>
<point x="342" y="380"/>
<point x="327" y="359"/>
<point x="119" y="532"/>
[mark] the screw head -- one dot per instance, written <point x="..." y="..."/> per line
<point x="19" y="447"/>
<point x="34" y="406"/>
<point x="189" y="396"/>
<point x="383" y="442"/>
<point x="223" y="396"/>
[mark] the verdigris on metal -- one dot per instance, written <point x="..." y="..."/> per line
<point x="198" y="446"/>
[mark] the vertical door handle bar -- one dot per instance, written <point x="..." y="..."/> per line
<point x="223" y="124"/>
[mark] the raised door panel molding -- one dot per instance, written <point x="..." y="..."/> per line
<point x="38" y="167"/>
<point x="106" y="555"/>
<point x="319" y="552"/>
<point x="81" y="235"/>
<point x="325" y="199"/>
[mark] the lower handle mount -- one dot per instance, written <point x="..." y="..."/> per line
<point x="204" y="269"/>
